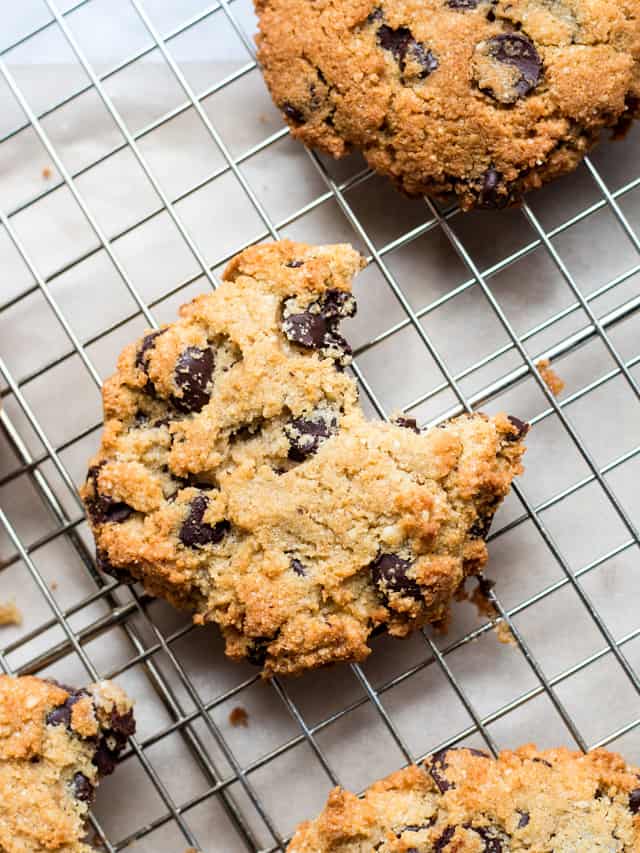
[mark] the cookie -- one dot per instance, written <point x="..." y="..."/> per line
<point x="56" y="743"/>
<point x="239" y="479"/>
<point x="482" y="98"/>
<point x="463" y="801"/>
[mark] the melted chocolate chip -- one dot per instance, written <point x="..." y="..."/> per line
<point x="307" y="434"/>
<point x="119" y="573"/>
<point x="490" y="198"/>
<point x="192" y="376"/>
<point x="61" y="716"/>
<point x="522" y="427"/>
<point x="523" y="819"/>
<point x="82" y="788"/>
<point x="518" y="51"/>
<point x="294" y="264"/>
<point x="102" y="508"/>
<point x="492" y="844"/>
<point x="297" y="567"/>
<point x="408" y="423"/>
<point x="389" y="573"/>
<point x="634" y="801"/>
<point x="123" y="724"/>
<point x="148" y="343"/>
<point x="444" y="839"/>
<point x="257" y="653"/>
<point x="438" y="764"/>
<point x="113" y="741"/>
<point x="195" y="532"/>
<point x="316" y="327"/>
<point x="482" y="525"/>
<point x="403" y="47"/>
<point x="293" y="113"/>
<point x="105" y="758"/>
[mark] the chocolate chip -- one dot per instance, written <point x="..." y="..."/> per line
<point x="292" y="113"/>
<point x="305" y="435"/>
<point x="438" y="764"/>
<point x="61" y="716"/>
<point x="492" y="844"/>
<point x="294" y="264"/>
<point x="522" y="427"/>
<point x="462" y="4"/>
<point x="402" y="45"/>
<point x="105" y="759"/>
<point x="518" y="51"/>
<point x="489" y="197"/>
<point x="524" y="819"/>
<point x="195" y="532"/>
<point x="316" y="327"/>
<point x="634" y="801"/>
<point x="375" y="15"/>
<point x="297" y="567"/>
<point x="257" y="653"/>
<point x="82" y="788"/>
<point x="102" y="508"/>
<point x="482" y="525"/>
<point x="444" y="839"/>
<point x="389" y="573"/>
<point x="192" y="376"/>
<point x="119" y="573"/>
<point x="408" y="423"/>
<point x="148" y="342"/>
<point x="123" y="724"/>
<point x="414" y="827"/>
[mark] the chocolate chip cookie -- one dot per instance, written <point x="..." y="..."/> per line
<point x="56" y="743"/>
<point x="239" y="479"/>
<point x="462" y="801"/>
<point x="482" y="98"/>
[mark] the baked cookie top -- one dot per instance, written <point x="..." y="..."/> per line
<point x="483" y="98"/>
<point x="238" y="478"/>
<point x="462" y="801"/>
<point x="56" y="743"/>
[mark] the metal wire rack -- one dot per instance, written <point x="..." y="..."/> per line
<point x="456" y="312"/>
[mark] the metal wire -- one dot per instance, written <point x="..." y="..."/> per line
<point x="177" y="693"/>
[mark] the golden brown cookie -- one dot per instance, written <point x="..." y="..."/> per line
<point x="239" y="479"/>
<point x="462" y="801"/>
<point x="56" y="743"/>
<point x="483" y="98"/>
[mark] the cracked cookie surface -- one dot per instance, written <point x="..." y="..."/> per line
<point x="482" y="99"/>
<point x="463" y="801"/>
<point x="239" y="479"/>
<point x="56" y="743"/>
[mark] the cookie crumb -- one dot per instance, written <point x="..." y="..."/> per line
<point x="53" y="585"/>
<point x="480" y="597"/>
<point x="47" y="172"/>
<point x="10" y="614"/>
<point x="504" y="634"/>
<point x="239" y="716"/>
<point x="550" y="377"/>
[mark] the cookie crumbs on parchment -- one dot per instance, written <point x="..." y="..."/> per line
<point x="9" y="614"/>
<point x="47" y="173"/>
<point x="550" y="377"/>
<point x="239" y="716"/>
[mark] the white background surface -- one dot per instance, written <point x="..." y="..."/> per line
<point x="221" y="219"/>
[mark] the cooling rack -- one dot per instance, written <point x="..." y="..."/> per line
<point x="138" y="152"/>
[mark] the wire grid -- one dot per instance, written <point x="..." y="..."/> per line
<point x="247" y="799"/>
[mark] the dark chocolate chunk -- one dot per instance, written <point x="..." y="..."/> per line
<point x="438" y="764"/>
<point x="444" y="839"/>
<point x="408" y="423"/>
<point x="520" y="52"/>
<point x="82" y="788"/>
<point x="297" y="567"/>
<point x="294" y="264"/>
<point x="403" y="46"/>
<point x="148" y="342"/>
<point x="522" y="427"/>
<point x="113" y="741"/>
<point x="102" y="508"/>
<point x="523" y="819"/>
<point x="292" y="113"/>
<point x="123" y="724"/>
<point x="196" y="533"/>
<point x="192" y="376"/>
<point x="61" y="716"/>
<point x="316" y="327"/>
<point x="634" y="801"/>
<point x="389" y="573"/>
<point x="375" y="15"/>
<point x="489" y="197"/>
<point x="492" y="843"/>
<point x="305" y="435"/>
<point x="257" y="653"/>
<point x="482" y="525"/>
